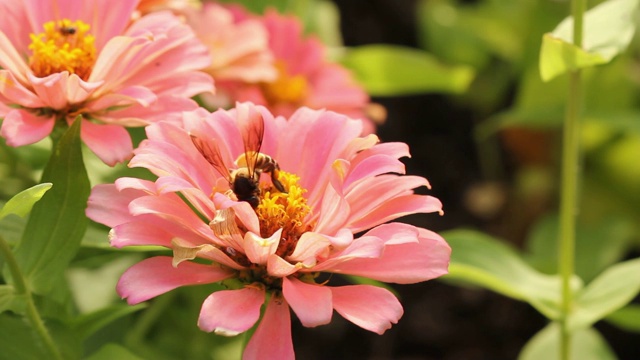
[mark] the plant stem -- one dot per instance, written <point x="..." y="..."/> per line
<point x="569" y="185"/>
<point x="21" y="288"/>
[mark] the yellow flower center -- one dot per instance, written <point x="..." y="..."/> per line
<point x="64" y="45"/>
<point x="286" y="88"/>
<point x="284" y="210"/>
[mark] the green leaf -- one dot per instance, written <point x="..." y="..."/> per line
<point x="558" y="57"/>
<point x="7" y="295"/>
<point x="87" y="325"/>
<point x="627" y="318"/>
<point x="482" y="260"/>
<point x="22" y="203"/>
<point x="601" y="242"/>
<point x="388" y="70"/>
<point x="613" y="289"/>
<point x="586" y="344"/>
<point x="18" y="341"/>
<point x="113" y="351"/>
<point x="57" y="222"/>
<point x="608" y="30"/>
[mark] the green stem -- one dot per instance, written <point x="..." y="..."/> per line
<point x="21" y="288"/>
<point x="569" y="185"/>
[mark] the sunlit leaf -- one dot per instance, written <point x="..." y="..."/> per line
<point x="627" y="318"/>
<point x="586" y="344"/>
<point x="613" y="289"/>
<point x="608" y="30"/>
<point x="482" y="260"/>
<point x="113" y="351"/>
<point x="22" y="203"/>
<point x="57" y="222"/>
<point x="388" y="70"/>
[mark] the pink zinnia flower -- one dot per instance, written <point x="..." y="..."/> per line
<point x="64" y="58"/>
<point x="147" y="6"/>
<point x="238" y="44"/>
<point x="334" y="184"/>
<point x="305" y="76"/>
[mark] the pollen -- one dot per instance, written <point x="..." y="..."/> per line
<point x="284" y="210"/>
<point x="64" y="45"/>
<point x="286" y="88"/>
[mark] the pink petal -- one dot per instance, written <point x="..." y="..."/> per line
<point x="139" y="233"/>
<point x="231" y="312"/>
<point x="52" y="89"/>
<point x="272" y="339"/>
<point x="111" y="143"/>
<point x="310" y="245"/>
<point x="279" y="267"/>
<point x="395" y="208"/>
<point x="395" y="233"/>
<point x="11" y="60"/>
<point x="125" y="97"/>
<point x="258" y="249"/>
<point x="334" y="212"/>
<point x="364" y="247"/>
<point x="311" y="303"/>
<point x="21" y="127"/>
<point x="14" y="92"/>
<point x="406" y="263"/>
<point x="110" y="206"/>
<point x="370" y="307"/>
<point x="154" y="276"/>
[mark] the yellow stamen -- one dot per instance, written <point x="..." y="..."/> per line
<point x="285" y="211"/>
<point x="64" y="45"/>
<point x="286" y="88"/>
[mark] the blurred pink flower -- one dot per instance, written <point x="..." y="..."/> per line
<point x="305" y="77"/>
<point x="238" y="44"/>
<point x="148" y="6"/>
<point x="64" y="58"/>
<point x="335" y="183"/>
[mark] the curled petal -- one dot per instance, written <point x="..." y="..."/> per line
<point x="231" y="312"/>
<point x="258" y="249"/>
<point x="311" y="303"/>
<point x="272" y="339"/>
<point x="309" y="246"/>
<point x="155" y="276"/>
<point x="370" y="307"/>
<point x="279" y="267"/>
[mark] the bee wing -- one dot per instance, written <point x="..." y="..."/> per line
<point x="211" y="152"/>
<point x="252" y="135"/>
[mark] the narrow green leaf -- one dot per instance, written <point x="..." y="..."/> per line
<point x="586" y="344"/>
<point x="608" y="30"/>
<point x="388" y="70"/>
<point x="22" y="203"/>
<point x="627" y="318"/>
<point x="113" y="351"/>
<point x="482" y="260"/>
<point x="87" y="325"/>
<point x="613" y="289"/>
<point x="57" y="222"/>
<point x="18" y="341"/>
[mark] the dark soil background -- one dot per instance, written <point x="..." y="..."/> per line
<point x="441" y="321"/>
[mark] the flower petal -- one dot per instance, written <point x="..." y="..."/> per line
<point x="231" y="312"/>
<point x="21" y="127"/>
<point x="405" y="263"/>
<point x="272" y="339"/>
<point x="258" y="249"/>
<point x="311" y="303"/>
<point x="111" y="143"/>
<point x="155" y="276"/>
<point x="370" y="307"/>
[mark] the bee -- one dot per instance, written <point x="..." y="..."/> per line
<point x="68" y="30"/>
<point x="244" y="181"/>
